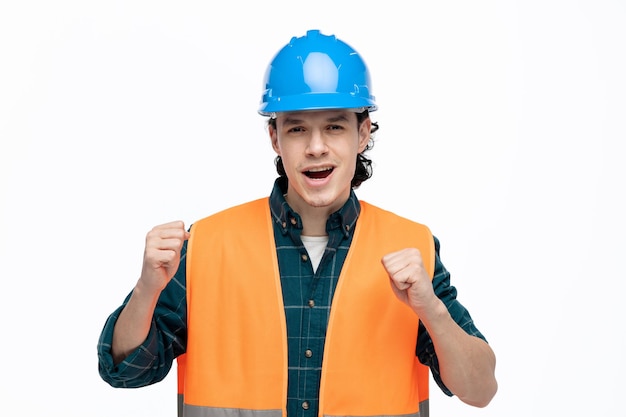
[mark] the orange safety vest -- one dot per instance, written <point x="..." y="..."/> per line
<point x="236" y="357"/>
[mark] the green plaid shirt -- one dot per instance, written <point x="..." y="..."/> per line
<point x="307" y="297"/>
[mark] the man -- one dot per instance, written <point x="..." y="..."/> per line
<point x="309" y="302"/>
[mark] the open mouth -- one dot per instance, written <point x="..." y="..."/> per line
<point x="319" y="174"/>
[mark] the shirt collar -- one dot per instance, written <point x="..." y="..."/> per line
<point x="285" y="217"/>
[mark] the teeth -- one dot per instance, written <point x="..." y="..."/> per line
<point x="319" y="169"/>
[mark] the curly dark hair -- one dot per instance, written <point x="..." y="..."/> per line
<point x="363" y="170"/>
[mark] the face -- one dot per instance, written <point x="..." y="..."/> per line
<point x="319" y="150"/>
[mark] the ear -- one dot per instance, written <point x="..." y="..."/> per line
<point x="274" y="138"/>
<point x="364" y="134"/>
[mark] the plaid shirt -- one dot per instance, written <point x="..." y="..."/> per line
<point x="307" y="298"/>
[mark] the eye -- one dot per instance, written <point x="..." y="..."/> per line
<point x="335" y="127"/>
<point x="296" y="129"/>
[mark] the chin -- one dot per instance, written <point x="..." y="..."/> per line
<point x="318" y="202"/>
<point x="325" y="201"/>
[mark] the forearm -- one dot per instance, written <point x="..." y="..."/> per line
<point x="133" y="324"/>
<point x="466" y="363"/>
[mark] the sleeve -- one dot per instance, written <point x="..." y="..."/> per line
<point x="447" y="293"/>
<point x="167" y="338"/>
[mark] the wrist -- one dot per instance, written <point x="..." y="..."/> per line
<point x="146" y="290"/>
<point x="435" y="315"/>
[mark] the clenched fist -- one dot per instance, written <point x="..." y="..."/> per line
<point x="409" y="279"/>
<point x="162" y="254"/>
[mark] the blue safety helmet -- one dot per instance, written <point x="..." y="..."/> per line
<point x="316" y="72"/>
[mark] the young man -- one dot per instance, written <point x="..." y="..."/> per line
<point x="308" y="302"/>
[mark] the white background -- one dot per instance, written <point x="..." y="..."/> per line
<point x="502" y="128"/>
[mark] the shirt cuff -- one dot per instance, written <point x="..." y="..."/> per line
<point x="128" y="373"/>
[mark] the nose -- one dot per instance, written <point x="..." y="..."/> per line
<point x="317" y="144"/>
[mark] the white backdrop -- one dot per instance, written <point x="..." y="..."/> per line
<point x="502" y="125"/>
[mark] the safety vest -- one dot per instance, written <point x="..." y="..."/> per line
<point x="236" y="358"/>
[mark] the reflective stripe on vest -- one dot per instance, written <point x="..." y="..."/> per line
<point x="237" y="340"/>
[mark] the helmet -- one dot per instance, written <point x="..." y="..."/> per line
<point x="316" y="72"/>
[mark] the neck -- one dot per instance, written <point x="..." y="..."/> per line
<point x="314" y="224"/>
<point x="313" y="218"/>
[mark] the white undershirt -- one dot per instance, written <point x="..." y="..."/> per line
<point x="315" y="246"/>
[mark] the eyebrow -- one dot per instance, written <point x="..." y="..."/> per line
<point x="295" y="121"/>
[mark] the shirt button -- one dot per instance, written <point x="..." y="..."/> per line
<point x="284" y="224"/>
<point x="308" y="353"/>
<point x="293" y="221"/>
<point x="305" y="405"/>
<point x="304" y="257"/>
<point x="347" y="227"/>
<point x="311" y="303"/>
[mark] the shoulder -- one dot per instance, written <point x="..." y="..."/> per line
<point x="375" y="212"/>
<point x="240" y="212"/>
